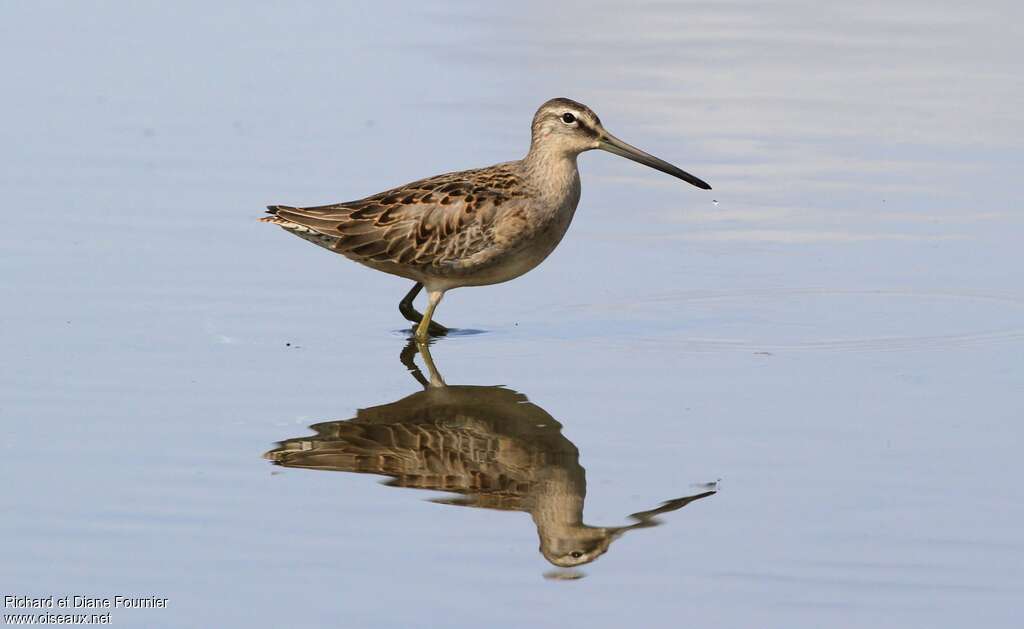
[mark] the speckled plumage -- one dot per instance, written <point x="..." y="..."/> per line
<point x="447" y="230"/>
<point x="473" y="227"/>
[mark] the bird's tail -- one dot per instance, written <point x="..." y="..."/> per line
<point x="274" y="218"/>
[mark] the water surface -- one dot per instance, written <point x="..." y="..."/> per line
<point x="831" y="339"/>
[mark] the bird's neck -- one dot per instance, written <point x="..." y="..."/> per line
<point x="553" y="173"/>
<point x="557" y="496"/>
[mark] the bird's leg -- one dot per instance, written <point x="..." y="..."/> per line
<point x="405" y="306"/>
<point x="423" y="329"/>
<point x="411" y="314"/>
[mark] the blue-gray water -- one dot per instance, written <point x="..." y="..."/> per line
<point x="838" y="339"/>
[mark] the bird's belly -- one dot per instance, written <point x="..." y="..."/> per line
<point x="517" y="260"/>
<point x="511" y="266"/>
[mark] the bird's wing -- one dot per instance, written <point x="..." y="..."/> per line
<point x="432" y="222"/>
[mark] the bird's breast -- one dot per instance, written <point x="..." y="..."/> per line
<point x="524" y="232"/>
<point x="522" y="240"/>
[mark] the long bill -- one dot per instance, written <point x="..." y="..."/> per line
<point x="612" y="144"/>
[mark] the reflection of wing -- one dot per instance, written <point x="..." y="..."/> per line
<point x="436" y="221"/>
<point x="486" y="443"/>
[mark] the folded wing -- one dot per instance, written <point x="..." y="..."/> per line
<point x="432" y="222"/>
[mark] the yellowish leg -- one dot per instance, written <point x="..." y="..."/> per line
<point x="423" y="329"/>
<point x="411" y="314"/>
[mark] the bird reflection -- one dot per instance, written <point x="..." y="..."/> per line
<point x="488" y="444"/>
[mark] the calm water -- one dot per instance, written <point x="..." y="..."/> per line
<point x="832" y="338"/>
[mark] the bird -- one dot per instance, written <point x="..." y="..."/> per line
<point x="488" y="445"/>
<point x="473" y="227"/>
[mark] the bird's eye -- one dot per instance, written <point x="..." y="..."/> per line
<point x="575" y="554"/>
<point x="568" y="118"/>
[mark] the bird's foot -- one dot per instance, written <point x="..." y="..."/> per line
<point x="433" y="329"/>
<point x="411" y="314"/>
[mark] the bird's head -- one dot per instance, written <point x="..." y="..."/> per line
<point x="563" y="126"/>
<point x="577" y="546"/>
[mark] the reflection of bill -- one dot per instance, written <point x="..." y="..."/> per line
<point x="490" y="445"/>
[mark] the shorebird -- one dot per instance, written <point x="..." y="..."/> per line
<point x="488" y="444"/>
<point x="474" y="227"/>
